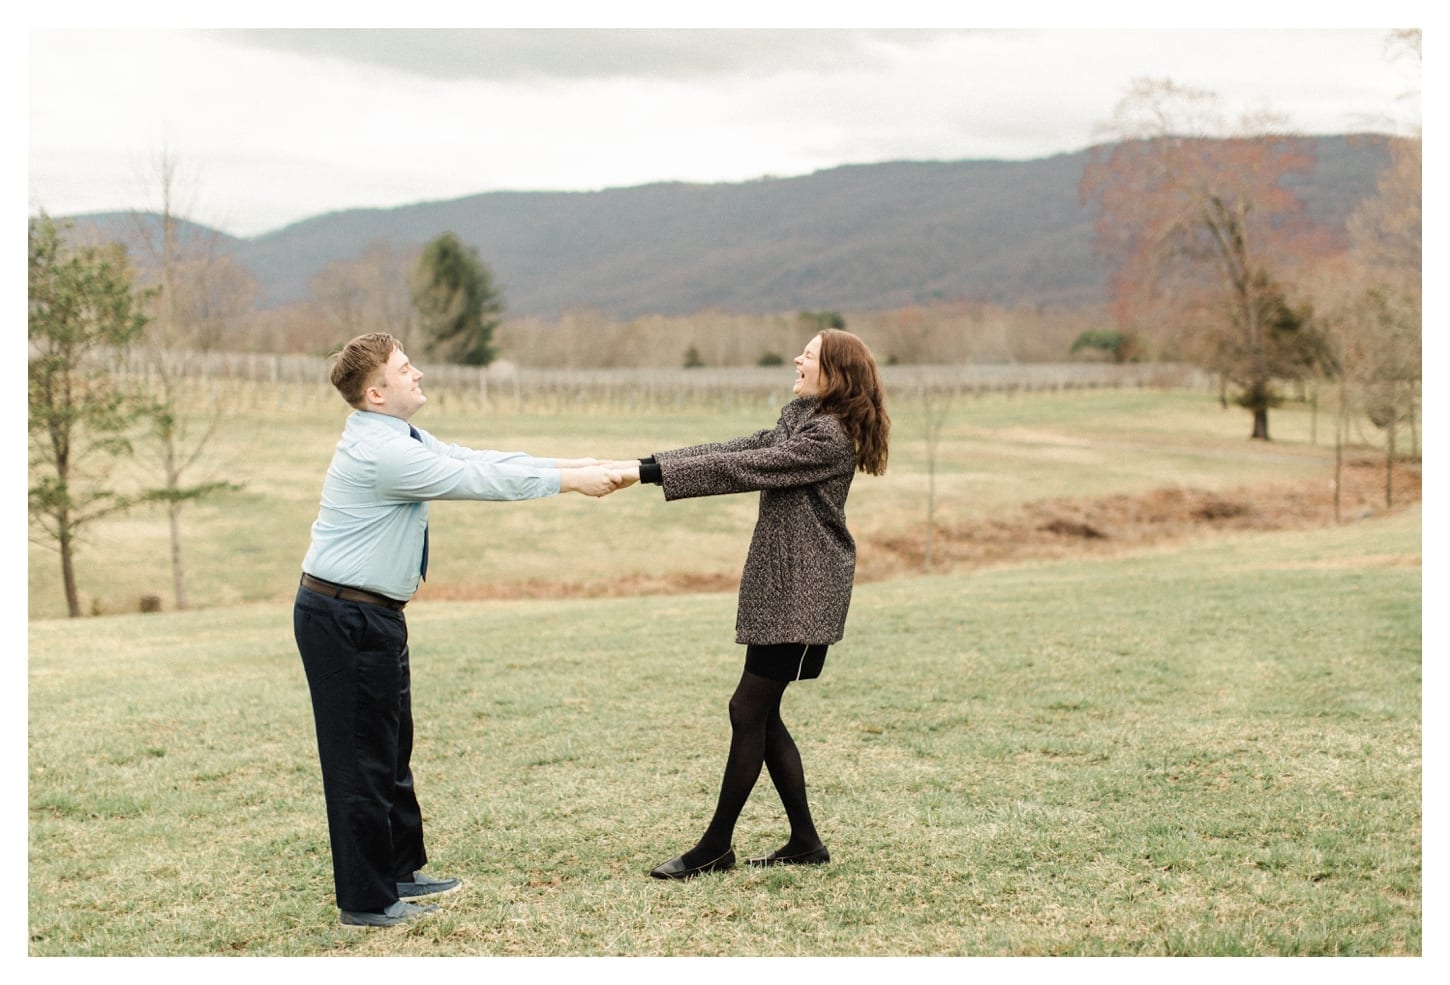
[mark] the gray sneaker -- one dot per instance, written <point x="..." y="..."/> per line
<point x="396" y="913"/>
<point x="421" y="885"/>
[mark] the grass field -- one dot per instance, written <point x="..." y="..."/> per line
<point x="1205" y="747"/>
<point x="996" y="451"/>
<point x="1208" y="749"/>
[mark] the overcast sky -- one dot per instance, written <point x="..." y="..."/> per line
<point x="273" y="126"/>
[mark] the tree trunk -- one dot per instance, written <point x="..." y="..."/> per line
<point x="1261" y="424"/>
<point x="178" y="569"/>
<point x="1390" y="465"/>
<point x="1412" y="407"/>
<point x="1341" y="432"/>
<point x="68" y="575"/>
<point x="1338" y="476"/>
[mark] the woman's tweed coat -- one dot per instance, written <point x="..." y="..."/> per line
<point x="796" y="586"/>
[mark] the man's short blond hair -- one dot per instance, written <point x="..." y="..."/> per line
<point x="358" y="362"/>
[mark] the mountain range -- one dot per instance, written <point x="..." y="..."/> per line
<point x="852" y="238"/>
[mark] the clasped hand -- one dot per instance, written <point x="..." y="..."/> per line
<point x="599" y="477"/>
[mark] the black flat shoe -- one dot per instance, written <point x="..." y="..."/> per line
<point x="676" y="868"/>
<point x="816" y="856"/>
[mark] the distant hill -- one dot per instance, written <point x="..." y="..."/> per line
<point x="861" y="237"/>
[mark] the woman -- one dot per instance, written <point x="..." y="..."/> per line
<point x="796" y="586"/>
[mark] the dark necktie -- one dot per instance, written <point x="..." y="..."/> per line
<point x="422" y="570"/>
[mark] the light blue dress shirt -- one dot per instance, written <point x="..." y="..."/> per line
<point x="369" y="529"/>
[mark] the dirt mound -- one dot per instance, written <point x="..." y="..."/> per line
<point x="1058" y="528"/>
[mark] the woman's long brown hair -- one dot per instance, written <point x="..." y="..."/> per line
<point x="851" y="389"/>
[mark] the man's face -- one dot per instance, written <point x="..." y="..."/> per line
<point x="399" y="394"/>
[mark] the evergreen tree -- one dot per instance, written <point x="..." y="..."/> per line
<point x="457" y="302"/>
<point x="83" y="316"/>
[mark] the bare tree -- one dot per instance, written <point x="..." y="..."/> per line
<point x="1204" y="229"/>
<point x="369" y="293"/>
<point x="936" y="405"/>
<point x="183" y="261"/>
<point x="1386" y="237"/>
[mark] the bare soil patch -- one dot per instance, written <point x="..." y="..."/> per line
<point x="1050" y="529"/>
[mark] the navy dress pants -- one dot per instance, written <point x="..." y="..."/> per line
<point x="356" y="659"/>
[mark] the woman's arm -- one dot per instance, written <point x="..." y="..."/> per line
<point x="759" y="439"/>
<point x="819" y="450"/>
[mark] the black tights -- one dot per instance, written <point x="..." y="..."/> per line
<point x="758" y="737"/>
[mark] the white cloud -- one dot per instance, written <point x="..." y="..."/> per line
<point x="297" y="125"/>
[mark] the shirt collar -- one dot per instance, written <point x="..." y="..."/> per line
<point x="372" y="419"/>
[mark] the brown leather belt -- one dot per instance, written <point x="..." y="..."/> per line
<point x="349" y="594"/>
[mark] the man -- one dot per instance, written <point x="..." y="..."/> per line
<point x="369" y="549"/>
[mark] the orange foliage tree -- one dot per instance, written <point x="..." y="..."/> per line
<point x="1204" y="232"/>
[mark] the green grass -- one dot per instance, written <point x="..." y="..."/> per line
<point x="1202" y="750"/>
<point x="997" y="451"/>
